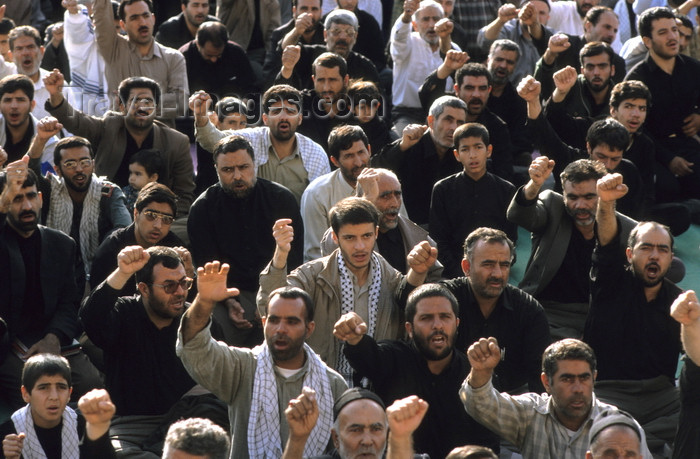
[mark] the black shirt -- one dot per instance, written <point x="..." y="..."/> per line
<point x="15" y="151"/>
<point x="33" y="323"/>
<point x="571" y="283"/>
<point x="397" y="370"/>
<point x="459" y="205"/>
<point x="121" y="178"/>
<point x="391" y="247"/>
<point x="632" y="338"/>
<point x="231" y="74"/>
<point x="687" y="442"/>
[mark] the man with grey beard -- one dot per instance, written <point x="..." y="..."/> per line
<point x="231" y="222"/>
<point x="397" y="234"/>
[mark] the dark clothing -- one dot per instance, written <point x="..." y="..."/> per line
<point x="572" y="117"/>
<point x="230" y="75"/>
<point x="687" y="442"/>
<point x="459" y="205"/>
<point x="56" y="58"/>
<point x="633" y="204"/>
<point x="136" y="353"/>
<point x="105" y="261"/>
<point x="418" y="168"/>
<point x="174" y="32"/>
<point x="512" y="109"/>
<point x="54" y="286"/>
<point x="570" y="284"/>
<point x="359" y="67"/>
<point x="397" y="369"/>
<point x="370" y="42"/>
<point x="519" y="324"/>
<point x="570" y="56"/>
<point x="50" y="440"/>
<point x="238" y="231"/>
<point x="633" y="339"/>
<point x="121" y="177"/>
<point x="378" y="132"/>
<point x="15" y="151"/>
<point x="273" y="58"/>
<point x="390" y="245"/>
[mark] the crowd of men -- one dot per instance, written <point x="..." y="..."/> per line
<point x="292" y="224"/>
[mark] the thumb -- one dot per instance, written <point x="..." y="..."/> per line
<point x="361" y="328"/>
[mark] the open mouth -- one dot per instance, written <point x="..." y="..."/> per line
<point x="652" y="270"/>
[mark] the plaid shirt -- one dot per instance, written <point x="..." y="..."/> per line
<point x="472" y="15"/>
<point x="528" y="422"/>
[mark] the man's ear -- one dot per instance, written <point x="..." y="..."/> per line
<point x="25" y="394"/>
<point x="612" y="69"/>
<point x="431" y="121"/>
<point x="628" y="252"/>
<point x="153" y="177"/>
<point x="334" y="437"/>
<point x="545" y="383"/>
<point x="409" y="329"/>
<point x="32" y="104"/>
<point x="310" y="327"/>
<point x="143" y="288"/>
<point x="335" y="237"/>
<point x="490" y="150"/>
<point x="335" y="161"/>
<point x="465" y="266"/>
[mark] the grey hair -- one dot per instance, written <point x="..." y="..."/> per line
<point x="341" y="17"/>
<point x="440" y="103"/>
<point x="426" y="4"/>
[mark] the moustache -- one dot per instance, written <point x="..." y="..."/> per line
<point x="27" y="212"/>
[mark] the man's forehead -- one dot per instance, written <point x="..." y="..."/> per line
<point x="286" y="308"/>
<point x="503" y="54"/>
<point x="18" y="94"/>
<point x="473" y="80"/>
<point x="431" y="10"/>
<point x="140" y="92"/>
<point x="388" y="183"/>
<point x="234" y="158"/>
<point x="160" y="272"/>
<point x="585" y="187"/>
<point x="483" y="245"/>
<point x="357" y="147"/>
<point x="597" y="59"/>
<point x="362" y="412"/>
<point x="326" y="72"/>
<point x="573" y="366"/>
<point x="356" y="228"/>
<point x="650" y="233"/>
<point x="663" y="23"/>
<point x="308" y="3"/>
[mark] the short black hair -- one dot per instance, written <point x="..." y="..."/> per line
<point x="471" y="130"/>
<point x="293" y="293"/>
<point x="632" y="239"/>
<point x="45" y="365"/>
<point x="582" y="170"/>
<point x="596" y="48"/>
<point x="608" y="132"/>
<point x="70" y="142"/>
<point x="124" y="3"/>
<point x="645" y="20"/>
<point x="566" y="349"/>
<point x="329" y="61"/>
<point x="475" y="70"/>
<point x="353" y="211"/>
<point x="232" y="144"/>
<point x="16" y="82"/>
<point x="212" y="32"/>
<point x="159" y="255"/>
<point x="156" y="192"/>
<point x="489" y="236"/>
<point x="361" y="90"/>
<point x="342" y="138"/>
<point x="24" y="31"/>
<point x="6" y="24"/>
<point x="130" y="83"/>
<point x="630" y="89"/>
<point x="199" y="437"/>
<point x="150" y="159"/>
<point x="31" y="180"/>
<point x="429" y="291"/>
<point x="228" y="106"/>
<point x="594" y="14"/>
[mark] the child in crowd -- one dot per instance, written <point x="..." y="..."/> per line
<point x="366" y="101"/>
<point x="229" y="113"/>
<point x="46" y="427"/>
<point x="144" y="167"/>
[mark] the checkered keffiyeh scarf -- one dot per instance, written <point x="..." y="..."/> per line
<point x="24" y="423"/>
<point x="264" y="440"/>
<point x="347" y="299"/>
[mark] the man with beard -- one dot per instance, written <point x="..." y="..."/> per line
<point x="354" y="278"/>
<point x="525" y="26"/>
<point x="37" y="279"/>
<point x="138" y="53"/>
<point x="84" y="206"/>
<point x="340" y="34"/>
<point x="231" y="222"/>
<point x="397" y="234"/>
<point x="122" y="134"/>
<point x="425" y="365"/>
<point x="490" y="306"/>
<point x="17" y="124"/>
<point x="137" y="335"/>
<point x="349" y="151"/>
<point x="258" y="384"/>
<point x="415" y="55"/>
<point x="562" y="227"/>
<point x="473" y="85"/>
<point x="672" y="121"/>
<point x="629" y="315"/>
<point x="217" y="65"/>
<point x="552" y="425"/>
<point x="281" y="154"/>
<point x="563" y="50"/>
<point x="178" y="30"/>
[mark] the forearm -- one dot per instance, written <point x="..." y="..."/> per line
<point x="445" y="44"/>
<point x="531" y="190"/>
<point x="399" y="447"/>
<point x="534" y="108"/>
<point x="196" y="318"/>
<point x="292" y="38"/>
<point x="36" y="148"/>
<point x="295" y="447"/>
<point x="606" y="222"/>
<point x="492" y="29"/>
<point x="690" y="334"/>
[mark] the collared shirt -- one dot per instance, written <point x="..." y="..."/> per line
<point x="528" y="421"/>
<point x="288" y="170"/>
<point x="413" y="61"/>
<point x="472" y="15"/>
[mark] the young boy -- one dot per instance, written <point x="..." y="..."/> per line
<point x="46" y="427"/>
<point x="144" y="168"/>
<point x="229" y="113"/>
<point x="366" y="101"/>
<point x="469" y="199"/>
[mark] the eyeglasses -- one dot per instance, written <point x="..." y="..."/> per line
<point x="337" y="32"/>
<point x="152" y="215"/>
<point x="72" y="164"/>
<point x="171" y="287"/>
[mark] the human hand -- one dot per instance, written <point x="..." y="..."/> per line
<point x="368" y="180"/>
<point x="565" y="79"/>
<point x="12" y="444"/>
<point x="422" y="257"/>
<point x="409" y="7"/>
<point x="15" y="173"/>
<point x="528" y="15"/>
<point x="529" y="88"/>
<point x="47" y="127"/>
<point x="454" y="59"/>
<point x="200" y="103"/>
<point x="405" y="415"/>
<point x="558" y="43"/>
<point x="237" y="314"/>
<point x="484" y="355"/>
<point x="411" y="135"/>
<point x="506" y="12"/>
<point x="350" y="327"/>
<point x="540" y="169"/>
<point x="187" y="262"/>
<point x="611" y="188"/>
<point x="302" y="413"/>
<point x="303" y="22"/>
<point x="444" y="28"/>
<point x="290" y="57"/>
<point x="211" y="283"/>
<point x="131" y="259"/>
<point x="98" y="410"/>
<point x="691" y="124"/>
<point x="680" y="166"/>
<point x="283" y="232"/>
<point x="686" y="309"/>
<point x="53" y="82"/>
<point x="49" y="344"/>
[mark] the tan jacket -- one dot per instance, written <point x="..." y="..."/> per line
<point x="239" y="17"/>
